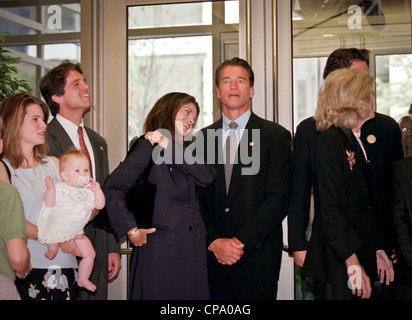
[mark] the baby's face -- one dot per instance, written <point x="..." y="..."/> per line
<point x="77" y="172"/>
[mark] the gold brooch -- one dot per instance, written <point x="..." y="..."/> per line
<point x="351" y="158"/>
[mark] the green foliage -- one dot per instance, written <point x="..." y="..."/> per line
<point x="9" y="83"/>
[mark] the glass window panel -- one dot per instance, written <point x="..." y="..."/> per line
<point x="393" y="83"/>
<point x="231" y="12"/>
<point x="320" y="27"/>
<point x="59" y="52"/>
<point x="13" y="28"/>
<point x="27" y="72"/>
<point x="170" y="15"/>
<point x="70" y="17"/>
<point x="29" y="50"/>
<point x="159" y="66"/>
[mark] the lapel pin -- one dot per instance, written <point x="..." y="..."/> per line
<point x="101" y="148"/>
<point x="371" y="139"/>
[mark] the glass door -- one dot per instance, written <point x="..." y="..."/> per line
<point x="320" y="27"/>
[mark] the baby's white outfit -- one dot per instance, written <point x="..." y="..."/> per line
<point x="68" y="217"/>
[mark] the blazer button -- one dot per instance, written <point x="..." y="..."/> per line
<point x="227" y="209"/>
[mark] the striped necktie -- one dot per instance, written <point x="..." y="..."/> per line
<point x="84" y="148"/>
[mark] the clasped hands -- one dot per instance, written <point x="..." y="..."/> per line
<point x="227" y="251"/>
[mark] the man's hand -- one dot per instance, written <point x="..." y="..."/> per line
<point x="359" y="281"/>
<point x="227" y="251"/>
<point x="114" y="265"/>
<point x="299" y="257"/>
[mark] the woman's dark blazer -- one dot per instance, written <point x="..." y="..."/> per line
<point x="172" y="264"/>
<point x="345" y="224"/>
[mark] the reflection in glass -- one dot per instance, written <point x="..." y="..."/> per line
<point x="174" y="15"/>
<point x="320" y="27"/>
<point x="393" y="83"/>
<point x="159" y="66"/>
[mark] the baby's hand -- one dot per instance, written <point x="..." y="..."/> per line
<point x="49" y="182"/>
<point x="94" y="185"/>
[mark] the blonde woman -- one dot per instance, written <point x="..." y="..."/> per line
<point x="344" y="254"/>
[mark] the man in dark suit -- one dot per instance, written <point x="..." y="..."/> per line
<point x="244" y="210"/>
<point x="401" y="204"/>
<point x="67" y="94"/>
<point x="381" y="138"/>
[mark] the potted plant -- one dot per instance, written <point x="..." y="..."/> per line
<point x="9" y="83"/>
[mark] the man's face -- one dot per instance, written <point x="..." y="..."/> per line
<point x="76" y="92"/>
<point x="359" y="65"/>
<point x="234" y="88"/>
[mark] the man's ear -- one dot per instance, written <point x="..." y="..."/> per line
<point x="218" y="92"/>
<point x="56" y="98"/>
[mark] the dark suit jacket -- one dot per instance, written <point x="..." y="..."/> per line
<point x="256" y="205"/>
<point x="345" y="223"/>
<point x="382" y="152"/>
<point x="103" y="241"/>
<point x="303" y="184"/>
<point x="402" y="216"/>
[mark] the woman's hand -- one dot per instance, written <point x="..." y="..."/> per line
<point x="385" y="267"/>
<point x="358" y="282"/>
<point x="138" y="237"/>
<point x="156" y="137"/>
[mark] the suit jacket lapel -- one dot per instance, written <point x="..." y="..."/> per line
<point x="62" y="141"/>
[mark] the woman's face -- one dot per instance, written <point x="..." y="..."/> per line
<point x="372" y="106"/>
<point x="33" y="128"/>
<point x="185" y="119"/>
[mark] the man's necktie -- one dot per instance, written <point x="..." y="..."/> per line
<point x="230" y="152"/>
<point x="84" y="148"/>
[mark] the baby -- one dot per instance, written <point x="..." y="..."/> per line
<point x="67" y="208"/>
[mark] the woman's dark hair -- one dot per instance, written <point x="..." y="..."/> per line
<point x="163" y="113"/>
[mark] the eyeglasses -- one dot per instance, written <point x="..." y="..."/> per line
<point x="405" y="130"/>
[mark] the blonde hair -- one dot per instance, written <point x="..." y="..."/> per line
<point x="344" y="99"/>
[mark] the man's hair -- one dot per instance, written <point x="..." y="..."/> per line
<point x="342" y="58"/>
<point x="235" y="62"/>
<point x="54" y="81"/>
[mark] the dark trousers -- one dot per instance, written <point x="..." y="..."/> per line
<point x="224" y="285"/>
